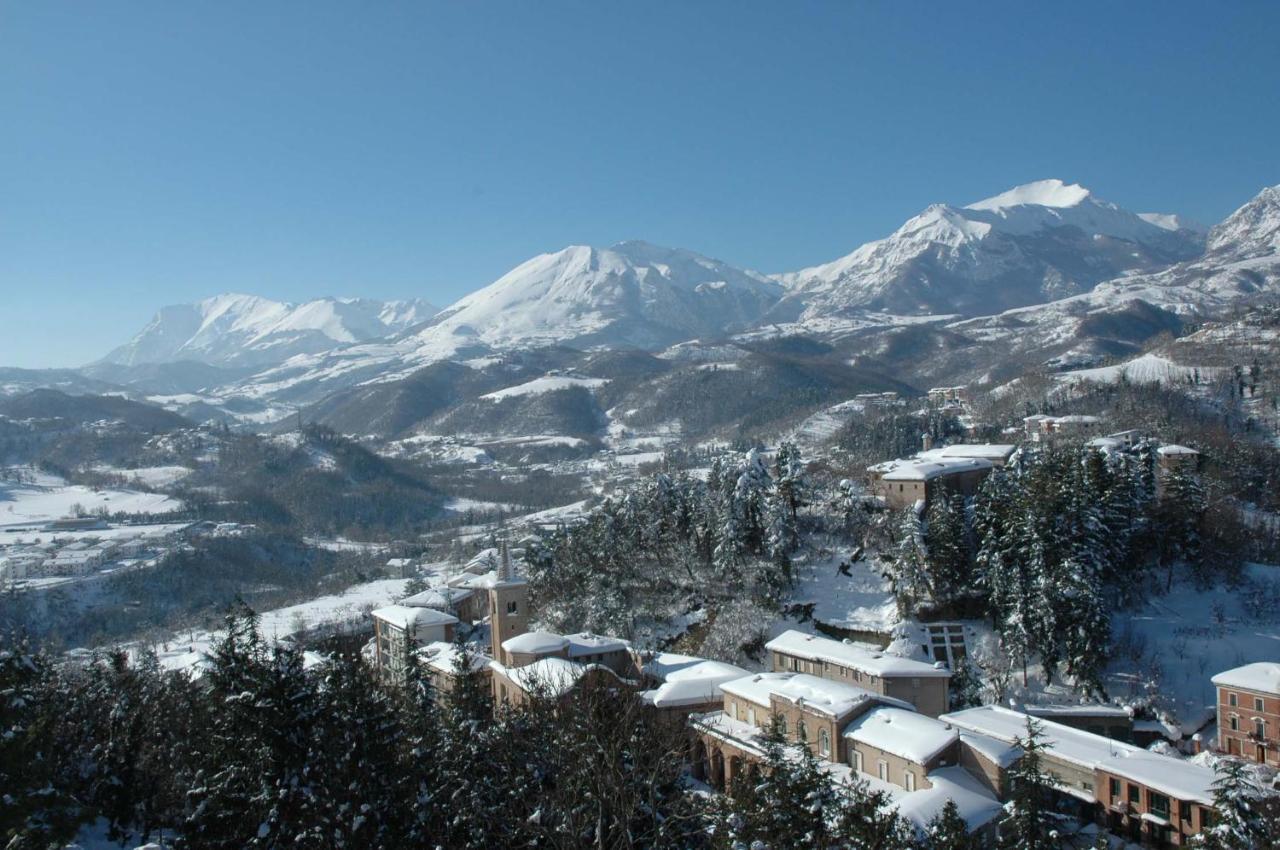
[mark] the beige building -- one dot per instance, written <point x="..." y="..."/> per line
<point x="399" y="630"/>
<point x="903" y="483"/>
<point x="921" y="684"/>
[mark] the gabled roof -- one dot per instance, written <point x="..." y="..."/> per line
<point x="817" y="648"/>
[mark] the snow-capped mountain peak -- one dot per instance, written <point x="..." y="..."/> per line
<point x="1041" y="193"/>
<point x="1027" y="245"/>
<point x="632" y="293"/>
<point x="1252" y="230"/>
<point x="247" y="330"/>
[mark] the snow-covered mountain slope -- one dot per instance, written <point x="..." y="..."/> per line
<point x="245" y="330"/>
<point x="1031" y="244"/>
<point x="632" y="294"/>
<point x="1241" y="265"/>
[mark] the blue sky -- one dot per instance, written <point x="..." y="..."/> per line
<point x="159" y="152"/>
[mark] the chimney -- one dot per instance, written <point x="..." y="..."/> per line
<point x="505" y="573"/>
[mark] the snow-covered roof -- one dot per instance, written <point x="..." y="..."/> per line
<point x="535" y="643"/>
<point x="404" y="617"/>
<point x="912" y="736"/>
<point x="1052" y="711"/>
<point x="928" y="469"/>
<point x="687" y="680"/>
<point x="989" y="451"/>
<point x="997" y="752"/>
<point x="975" y="803"/>
<point x="547" y="676"/>
<point x="437" y="597"/>
<point x="821" y="695"/>
<point x="444" y="657"/>
<point x="1174" y="449"/>
<point x="1175" y="777"/>
<point x="1263" y="676"/>
<point x="586" y="643"/>
<point x="817" y="648"/>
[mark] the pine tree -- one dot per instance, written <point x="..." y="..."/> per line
<point x="948" y="831"/>
<point x="907" y="568"/>
<point x="33" y="813"/>
<point x="1028" y="823"/>
<point x="950" y="558"/>
<point x="965" y="687"/>
<point x="1237" y="802"/>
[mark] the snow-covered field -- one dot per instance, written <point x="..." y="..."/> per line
<point x="861" y="601"/>
<point x="1177" y="642"/>
<point x="545" y="384"/>
<point x="151" y="476"/>
<point x="48" y="497"/>
<point x="188" y="649"/>
<point x="1147" y="369"/>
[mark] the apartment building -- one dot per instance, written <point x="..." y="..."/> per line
<point x="915" y="760"/>
<point x="1135" y="793"/>
<point x="922" y="685"/>
<point x="1249" y="712"/>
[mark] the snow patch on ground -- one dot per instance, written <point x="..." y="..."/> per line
<point x="49" y="497"/>
<point x="545" y="384"/>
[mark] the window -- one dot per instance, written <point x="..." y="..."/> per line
<point x="824" y="742"/>
<point x="857" y="759"/>
<point x="751" y="715"/>
<point x="1260" y="728"/>
<point x="782" y="725"/>
<point x="1135" y="795"/>
<point x="1257" y="703"/>
<point x="1159" y="805"/>
<point x="1235" y="723"/>
<point x="733" y="709"/>
<point x="511" y="607"/>
<point x="908" y="780"/>
<point x="883" y="770"/>
<point x="915" y="683"/>
<point x="800" y="734"/>
<point x="1232" y="701"/>
<point x="1185" y="811"/>
<point x="1115" y="788"/>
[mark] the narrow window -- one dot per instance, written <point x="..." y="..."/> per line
<point x="883" y="770"/>
<point x="511" y="607"/>
<point x="1231" y="700"/>
<point x="909" y="780"/>
<point x="824" y="742"/>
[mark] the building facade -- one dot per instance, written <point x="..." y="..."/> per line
<point x="1249" y="712"/>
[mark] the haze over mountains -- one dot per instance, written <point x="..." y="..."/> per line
<point x="1046" y="272"/>
<point x="245" y="330"/>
